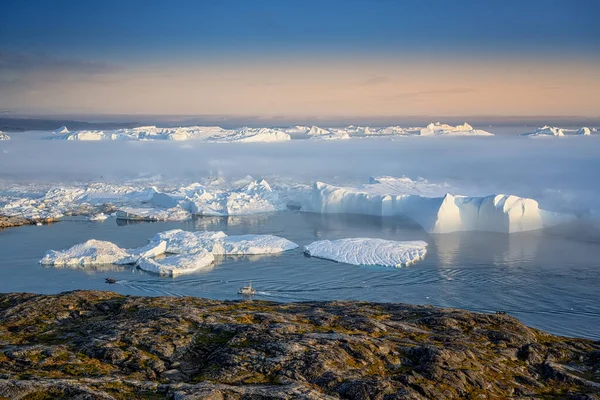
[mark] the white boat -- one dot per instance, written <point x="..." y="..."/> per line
<point x="247" y="290"/>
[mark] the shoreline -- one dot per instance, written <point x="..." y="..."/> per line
<point x="110" y="346"/>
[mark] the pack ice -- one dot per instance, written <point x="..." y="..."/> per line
<point x="440" y="214"/>
<point x="367" y="251"/>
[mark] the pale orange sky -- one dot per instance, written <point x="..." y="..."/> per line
<point x="375" y="87"/>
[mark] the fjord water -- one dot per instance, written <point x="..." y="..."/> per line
<point x="548" y="279"/>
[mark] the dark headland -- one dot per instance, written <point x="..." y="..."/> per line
<point x="102" y="345"/>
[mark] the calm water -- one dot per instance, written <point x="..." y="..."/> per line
<point x="549" y="279"/>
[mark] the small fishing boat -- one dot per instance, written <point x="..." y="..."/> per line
<point x="247" y="290"/>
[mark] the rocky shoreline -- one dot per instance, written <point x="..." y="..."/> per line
<point x="102" y="345"/>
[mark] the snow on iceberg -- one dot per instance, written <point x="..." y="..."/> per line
<point x="61" y="131"/>
<point x="57" y="202"/>
<point x="367" y="251"/>
<point x="153" y="214"/>
<point x="4" y="136"/>
<point x="98" y="217"/>
<point x="255" y="197"/>
<point x="585" y="131"/>
<point x="178" y="241"/>
<point x="177" y="265"/>
<point x="439" y="129"/>
<point x="92" y="252"/>
<point x="448" y="213"/>
<point x="247" y="135"/>
<point x="546" y="131"/>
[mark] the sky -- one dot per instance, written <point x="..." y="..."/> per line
<point x="300" y="58"/>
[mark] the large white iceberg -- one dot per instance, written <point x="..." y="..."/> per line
<point x="184" y="242"/>
<point x="546" y="131"/>
<point x="92" y="252"/>
<point x="439" y="129"/>
<point x="247" y="135"/>
<point x="153" y="214"/>
<point x="255" y="197"/>
<point x="4" y="136"/>
<point x="448" y="213"/>
<point x="177" y="265"/>
<point x="367" y="251"/>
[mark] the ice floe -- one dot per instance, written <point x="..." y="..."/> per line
<point x="92" y="252"/>
<point x="441" y="214"/>
<point x="4" y="136"/>
<point x="367" y="251"/>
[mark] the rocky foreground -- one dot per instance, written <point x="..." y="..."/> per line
<point x="101" y="345"/>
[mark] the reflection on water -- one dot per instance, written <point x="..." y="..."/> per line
<point x="548" y="279"/>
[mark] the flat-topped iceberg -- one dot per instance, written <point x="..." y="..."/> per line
<point x="177" y="265"/>
<point x="255" y="197"/>
<point x="4" y="136"/>
<point x="92" y="252"/>
<point x="153" y="214"/>
<point x="439" y="129"/>
<point x="447" y="213"/>
<point x="178" y="241"/>
<point x="367" y="251"/>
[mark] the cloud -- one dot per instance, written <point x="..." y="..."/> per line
<point x="377" y="80"/>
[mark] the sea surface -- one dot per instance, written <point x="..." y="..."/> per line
<point x="548" y="279"/>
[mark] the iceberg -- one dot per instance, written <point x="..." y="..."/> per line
<point x="98" y="217"/>
<point x="444" y="214"/>
<point x="584" y="131"/>
<point x="255" y="197"/>
<point x="61" y="131"/>
<point x="92" y="252"/>
<point x="4" y="136"/>
<point x="247" y="135"/>
<point x="439" y="129"/>
<point x="546" y="131"/>
<point x="177" y="265"/>
<point x="252" y="244"/>
<point x="367" y="251"/>
<point x="153" y="214"/>
<point x="178" y="241"/>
